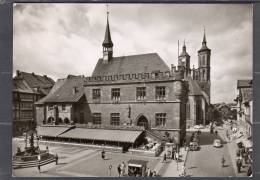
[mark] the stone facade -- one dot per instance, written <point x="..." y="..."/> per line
<point x="245" y="106"/>
<point x="131" y="109"/>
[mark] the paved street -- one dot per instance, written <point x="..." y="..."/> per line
<point x="207" y="161"/>
<point x="80" y="161"/>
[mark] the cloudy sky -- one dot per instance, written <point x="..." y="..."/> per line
<point x="62" y="39"/>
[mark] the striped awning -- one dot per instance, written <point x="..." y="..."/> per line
<point x="51" y="131"/>
<point x="103" y="134"/>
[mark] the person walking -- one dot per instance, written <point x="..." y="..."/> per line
<point x="164" y="158"/>
<point x="123" y="167"/>
<point x="148" y="172"/>
<point x="249" y="170"/>
<point x="173" y="153"/>
<point x="239" y="164"/>
<point x="154" y="173"/>
<point x="38" y="166"/>
<point x="223" y="161"/>
<point x="56" y="159"/>
<point x="119" y="170"/>
<point x="103" y="154"/>
<point x="177" y="156"/>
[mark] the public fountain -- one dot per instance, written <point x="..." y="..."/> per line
<point x="32" y="154"/>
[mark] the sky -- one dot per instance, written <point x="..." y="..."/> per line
<point x="61" y="39"/>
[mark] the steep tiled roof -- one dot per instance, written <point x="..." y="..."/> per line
<point x="244" y="83"/>
<point x="64" y="90"/>
<point x="130" y="65"/>
<point x="19" y="85"/>
<point x="43" y="83"/>
<point x="194" y="88"/>
<point x="56" y="87"/>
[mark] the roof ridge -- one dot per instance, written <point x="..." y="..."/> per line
<point x="136" y="55"/>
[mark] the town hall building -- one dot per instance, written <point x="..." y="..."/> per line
<point x="134" y="91"/>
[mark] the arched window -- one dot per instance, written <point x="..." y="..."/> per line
<point x="66" y="121"/>
<point x="50" y="120"/>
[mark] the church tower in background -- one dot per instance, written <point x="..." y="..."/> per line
<point x="204" y="66"/>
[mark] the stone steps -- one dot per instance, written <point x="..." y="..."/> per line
<point x="26" y="164"/>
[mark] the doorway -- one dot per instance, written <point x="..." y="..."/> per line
<point x="142" y="121"/>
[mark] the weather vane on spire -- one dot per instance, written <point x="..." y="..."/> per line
<point x="107" y="10"/>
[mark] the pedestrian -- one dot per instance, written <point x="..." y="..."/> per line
<point x="103" y="154"/>
<point x="177" y="156"/>
<point x="123" y="167"/>
<point x="164" y="157"/>
<point x="148" y="172"/>
<point x="173" y="154"/>
<point x="216" y="132"/>
<point x="185" y="145"/>
<point x="56" y="159"/>
<point x="39" y="166"/>
<point x="154" y="173"/>
<point x="249" y="170"/>
<point x="119" y="170"/>
<point x="47" y="149"/>
<point x="239" y="164"/>
<point x="223" y="161"/>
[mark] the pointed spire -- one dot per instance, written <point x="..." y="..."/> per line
<point x="107" y="40"/>
<point x="204" y="42"/>
<point x="184" y="52"/>
<point x="204" y="37"/>
<point x="184" y="46"/>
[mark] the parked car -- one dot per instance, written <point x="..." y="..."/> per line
<point x="194" y="146"/>
<point x="199" y="127"/>
<point x="217" y="143"/>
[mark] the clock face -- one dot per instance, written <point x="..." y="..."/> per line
<point x="183" y="60"/>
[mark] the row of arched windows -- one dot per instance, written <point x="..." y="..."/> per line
<point x="51" y="120"/>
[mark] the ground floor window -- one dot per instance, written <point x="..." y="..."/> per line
<point x="96" y="118"/>
<point x="115" y="119"/>
<point x="160" y="119"/>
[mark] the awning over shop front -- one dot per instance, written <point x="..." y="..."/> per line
<point x="51" y="131"/>
<point x="103" y="134"/>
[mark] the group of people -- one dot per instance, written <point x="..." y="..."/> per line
<point x="150" y="173"/>
<point x="243" y="157"/>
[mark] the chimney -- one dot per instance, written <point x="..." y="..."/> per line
<point x="33" y="73"/>
<point x="45" y="76"/>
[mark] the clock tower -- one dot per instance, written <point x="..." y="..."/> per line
<point x="184" y="61"/>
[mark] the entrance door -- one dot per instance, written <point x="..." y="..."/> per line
<point x="142" y="121"/>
